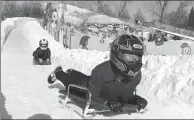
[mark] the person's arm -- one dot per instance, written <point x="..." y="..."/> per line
<point x="35" y="53"/>
<point x="139" y="101"/>
<point x="95" y="87"/>
<point x="137" y="78"/>
<point x="49" y="53"/>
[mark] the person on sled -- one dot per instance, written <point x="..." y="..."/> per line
<point x="114" y="80"/>
<point x="42" y="54"/>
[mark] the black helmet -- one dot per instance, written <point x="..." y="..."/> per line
<point x="126" y="53"/>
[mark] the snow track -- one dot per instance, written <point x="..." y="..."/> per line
<point x="25" y="85"/>
<point x="167" y="82"/>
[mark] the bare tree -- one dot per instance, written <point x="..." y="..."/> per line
<point x="9" y="9"/>
<point x="100" y="6"/>
<point x="179" y="17"/>
<point x="37" y="10"/>
<point x="181" y="10"/>
<point x="120" y="7"/>
<point x="125" y="15"/>
<point x="2" y="7"/>
<point x="139" y="15"/>
<point x="108" y="11"/>
<point x="90" y="5"/>
<point x="2" y="4"/>
<point x="158" y="9"/>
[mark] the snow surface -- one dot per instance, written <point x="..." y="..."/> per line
<point x="167" y="81"/>
<point x="104" y="19"/>
<point x="71" y="11"/>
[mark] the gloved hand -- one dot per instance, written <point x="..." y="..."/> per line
<point x="40" y="60"/>
<point x="141" y="102"/>
<point x="115" y="106"/>
<point x="47" y="60"/>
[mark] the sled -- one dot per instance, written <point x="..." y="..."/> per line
<point x="36" y="62"/>
<point x="90" y="109"/>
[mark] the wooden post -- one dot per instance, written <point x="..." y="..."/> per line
<point x="70" y="40"/>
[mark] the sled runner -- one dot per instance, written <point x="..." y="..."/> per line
<point x="90" y="109"/>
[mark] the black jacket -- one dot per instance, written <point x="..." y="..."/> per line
<point x="107" y="84"/>
<point x="43" y="54"/>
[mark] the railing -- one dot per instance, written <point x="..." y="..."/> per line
<point x="171" y="29"/>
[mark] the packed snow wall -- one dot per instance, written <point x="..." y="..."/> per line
<point x="9" y="24"/>
<point x="6" y="27"/>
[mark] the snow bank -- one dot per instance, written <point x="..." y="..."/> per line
<point x="9" y="24"/>
<point x="68" y="14"/>
<point x="166" y="79"/>
<point x="101" y="19"/>
<point x="104" y="19"/>
<point x="6" y="26"/>
<point x="75" y="8"/>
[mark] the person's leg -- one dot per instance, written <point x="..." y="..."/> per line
<point x="59" y="74"/>
<point x="65" y="78"/>
<point x="78" y="76"/>
<point x="69" y="77"/>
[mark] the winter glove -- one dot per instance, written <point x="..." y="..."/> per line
<point x="47" y="60"/>
<point x="40" y="60"/>
<point x="115" y="106"/>
<point x="141" y="102"/>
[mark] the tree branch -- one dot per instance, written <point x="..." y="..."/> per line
<point x="154" y="12"/>
<point x="115" y="7"/>
<point x="124" y="5"/>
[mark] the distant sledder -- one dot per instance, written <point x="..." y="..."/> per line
<point x="112" y="83"/>
<point x="42" y="55"/>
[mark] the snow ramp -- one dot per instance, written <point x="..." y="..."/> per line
<point x="167" y="81"/>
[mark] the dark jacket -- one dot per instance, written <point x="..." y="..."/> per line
<point x="106" y="84"/>
<point x="43" y="54"/>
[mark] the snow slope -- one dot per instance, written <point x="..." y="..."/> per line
<point x="167" y="81"/>
<point x="70" y="11"/>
